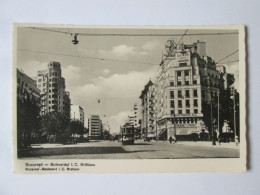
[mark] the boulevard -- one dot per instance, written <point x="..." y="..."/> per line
<point x="140" y="150"/>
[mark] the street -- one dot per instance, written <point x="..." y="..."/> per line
<point x="140" y="150"/>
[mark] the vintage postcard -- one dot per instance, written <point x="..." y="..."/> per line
<point x="128" y="99"/>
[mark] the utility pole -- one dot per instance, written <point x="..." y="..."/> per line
<point x="234" y="102"/>
<point x="218" y="116"/>
<point x="175" y="133"/>
<point x="212" y="128"/>
<point x="156" y="126"/>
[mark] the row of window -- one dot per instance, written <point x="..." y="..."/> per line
<point x="53" y="79"/>
<point x="187" y="93"/>
<point x="186" y="73"/>
<point x="180" y="83"/>
<point x="187" y="111"/>
<point x="187" y="102"/>
<point x="186" y="120"/>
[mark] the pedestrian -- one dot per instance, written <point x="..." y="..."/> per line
<point x="170" y="139"/>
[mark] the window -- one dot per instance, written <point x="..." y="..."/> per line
<point x="49" y="79"/>
<point x="49" y="85"/>
<point x="179" y="94"/>
<point x="49" y="96"/>
<point x="178" y="73"/>
<point x="196" y="102"/>
<point x="172" y="112"/>
<point x="187" y="82"/>
<point x="171" y="83"/>
<point x="195" y="93"/>
<point x="187" y="103"/>
<point x="39" y="85"/>
<point x="49" y="102"/>
<point x="187" y="93"/>
<point x="188" y="112"/>
<point x="195" y="82"/>
<point x="39" y="80"/>
<point x="182" y="64"/>
<point x="186" y="73"/>
<point x="180" y="103"/>
<point x="180" y="111"/>
<point x="49" y="91"/>
<point x="195" y="111"/>
<point x="171" y="94"/>
<point x="172" y="103"/>
<point x="209" y="74"/>
<point x="179" y="82"/>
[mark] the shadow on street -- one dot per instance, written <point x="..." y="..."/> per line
<point x="37" y="152"/>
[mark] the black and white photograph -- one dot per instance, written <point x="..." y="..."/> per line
<point x="128" y="93"/>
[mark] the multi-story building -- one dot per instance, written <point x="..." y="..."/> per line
<point x="148" y="109"/>
<point x="95" y="127"/>
<point x="228" y="78"/>
<point x="77" y="113"/>
<point x="188" y="77"/>
<point x="54" y="96"/>
<point x="26" y="87"/>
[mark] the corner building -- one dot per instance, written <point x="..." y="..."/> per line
<point x="187" y="79"/>
<point x="54" y="97"/>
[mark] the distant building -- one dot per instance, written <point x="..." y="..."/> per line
<point x="106" y="130"/>
<point x="54" y="96"/>
<point x="228" y="78"/>
<point x="95" y="127"/>
<point x="26" y="87"/>
<point x="77" y="113"/>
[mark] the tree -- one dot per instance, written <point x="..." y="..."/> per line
<point x="28" y="119"/>
<point x="226" y="111"/>
<point x="54" y="124"/>
<point x="76" y="127"/>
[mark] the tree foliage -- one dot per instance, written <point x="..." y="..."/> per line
<point x="54" y="123"/>
<point x="226" y="111"/>
<point x="28" y="119"/>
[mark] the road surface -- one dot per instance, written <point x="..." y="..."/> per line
<point x="140" y="150"/>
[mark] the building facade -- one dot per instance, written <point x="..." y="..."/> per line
<point x="77" y="113"/>
<point x="172" y="104"/>
<point x="147" y="97"/>
<point x="26" y="87"/>
<point x="95" y="127"/>
<point x="54" y="96"/>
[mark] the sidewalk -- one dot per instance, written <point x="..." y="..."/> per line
<point x="230" y="145"/>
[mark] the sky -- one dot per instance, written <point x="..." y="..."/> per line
<point x="117" y="82"/>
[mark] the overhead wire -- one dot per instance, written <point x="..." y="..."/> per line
<point x="134" y="34"/>
<point x="227" y="56"/>
<point x="88" y="57"/>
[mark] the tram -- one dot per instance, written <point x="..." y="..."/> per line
<point x="127" y="134"/>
